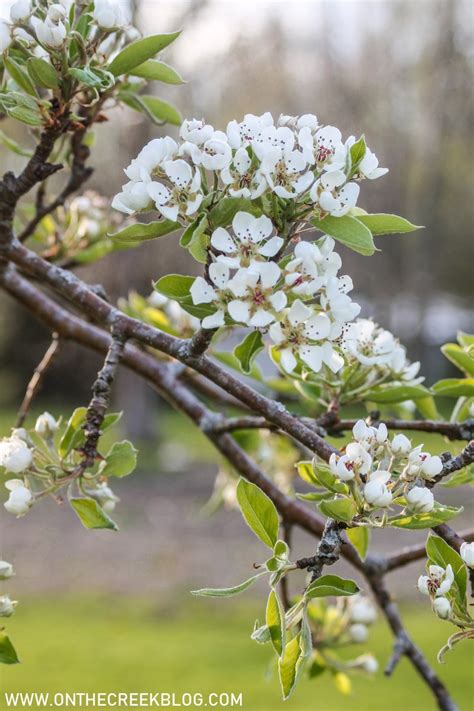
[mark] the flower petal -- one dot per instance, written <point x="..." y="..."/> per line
<point x="222" y="241"/>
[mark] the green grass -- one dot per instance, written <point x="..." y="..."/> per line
<point x="116" y="644"/>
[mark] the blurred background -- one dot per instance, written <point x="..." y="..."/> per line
<point x="400" y="72"/>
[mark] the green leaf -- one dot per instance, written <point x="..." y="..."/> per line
<point x="120" y="461"/>
<point x="342" y="509"/>
<point x="461" y="359"/>
<point x="395" y="393"/>
<point x="258" y="511"/>
<point x="275" y="620"/>
<point x="349" y="231"/>
<point x="385" y="224"/>
<point x="174" y="286"/>
<point x="306" y="472"/>
<point x="460" y="478"/>
<point x="42" y="73"/>
<point x="224" y="212"/>
<point x="357" y="153"/>
<point x="91" y="515"/>
<point x="187" y="235"/>
<point x="425" y="520"/>
<point x="94" y="78"/>
<point x="199" y="241"/>
<point x="454" y="387"/>
<point x="440" y="553"/>
<point x="161" y="110"/>
<point x="465" y="339"/>
<point x="157" y="71"/>
<point x="73" y="426"/>
<point x="227" y="592"/>
<point x="328" y="585"/>
<point x="138" y="52"/>
<point x="140" y="232"/>
<point x="26" y="115"/>
<point x="13" y="146"/>
<point x="360" y="538"/>
<point x="427" y="407"/>
<point x="326" y="478"/>
<point x="247" y="351"/>
<point x="8" y="654"/>
<point x="110" y="420"/>
<point x="287" y="666"/>
<point x="19" y="76"/>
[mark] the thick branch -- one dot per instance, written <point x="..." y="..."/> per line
<point x="418" y="552"/>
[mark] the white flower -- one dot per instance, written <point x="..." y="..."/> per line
<point x="438" y="581"/>
<point x="133" y="198"/>
<point x="20" y="498"/>
<point x="104" y="496"/>
<point x="250" y="243"/>
<point x="244" y="179"/>
<point x="196" y="131"/>
<point x="442" y="607"/>
<point x="57" y="12"/>
<point x="376" y="492"/>
<point x="184" y="197"/>
<point x="325" y="148"/>
<point x="257" y="303"/>
<point x="368" y="167"/>
<point x="149" y="163"/>
<point x="6" y="570"/>
<point x="358" y="632"/>
<point x="204" y="293"/>
<point x="369" y="435"/>
<point x="242" y="134"/>
<point x="7" y="606"/>
<point x="333" y="194"/>
<point x="312" y="264"/>
<point x="49" y="33"/>
<point x="420" y="499"/>
<point x="336" y="301"/>
<point x="46" y="424"/>
<point x="359" y="457"/>
<point x="400" y="445"/>
<point x="431" y="465"/>
<point x="20" y="10"/>
<point x="284" y="168"/>
<point x="15" y="455"/>
<point x="295" y="335"/>
<point x="368" y="663"/>
<point x="5" y="36"/>
<point x="342" y="467"/>
<point x="467" y="554"/>
<point x="108" y="15"/>
<point x="362" y="610"/>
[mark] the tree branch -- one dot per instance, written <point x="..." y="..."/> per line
<point x="451" y="430"/>
<point x="418" y="552"/>
<point x="37" y="378"/>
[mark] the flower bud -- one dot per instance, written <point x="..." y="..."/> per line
<point x="6" y="570"/>
<point x="401" y="444"/>
<point x="20" y="10"/>
<point x="56" y="12"/>
<point x="46" y="425"/>
<point x="15" y="455"/>
<point x="5" y="36"/>
<point x="362" y="610"/>
<point x="420" y="499"/>
<point x="358" y="632"/>
<point x="7" y="606"/>
<point x="376" y="492"/>
<point x="48" y="32"/>
<point x="20" y="498"/>
<point x="442" y="607"/>
<point x="431" y="466"/>
<point x="108" y="15"/>
<point x="368" y="663"/>
<point x="467" y="554"/>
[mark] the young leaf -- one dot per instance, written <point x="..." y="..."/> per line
<point x="275" y="620"/>
<point x="357" y="153"/>
<point x="306" y="472"/>
<point x="138" y="52"/>
<point x="227" y="592"/>
<point x="120" y="461"/>
<point x="29" y="116"/>
<point x="454" y="387"/>
<point x="460" y="357"/>
<point x="19" y="76"/>
<point x="258" y="511"/>
<point x="385" y="224"/>
<point x="287" y="666"/>
<point x="395" y="393"/>
<point x="359" y="537"/>
<point x="349" y="231"/>
<point x="331" y="585"/>
<point x="8" y="654"/>
<point x="91" y="515"/>
<point x="43" y="73"/>
<point x="73" y="426"/>
<point x="157" y="71"/>
<point x="425" y="520"/>
<point x="342" y="509"/>
<point x="174" y="286"/>
<point x="13" y="146"/>
<point x="225" y="210"/>
<point x="246" y="351"/>
<point x="140" y="232"/>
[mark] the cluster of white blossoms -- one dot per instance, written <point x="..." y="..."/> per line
<point x="385" y="469"/>
<point x="362" y="614"/>
<point x="295" y="158"/>
<point x="7" y="605"/>
<point x="379" y="351"/>
<point x="437" y="584"/>
<point x="47" y="25"/>
<point x="247" y="287"/>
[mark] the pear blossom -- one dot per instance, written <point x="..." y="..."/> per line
<point x="295" y="335"/>
<point x="108" y="15"/>
<point x="104" y="495"/>
<point x="420" y="499"/>
<point x="20" y="10"/>
<point x="442" y="607"/>
<point x="400" y="445"/>
<point x="369" y="166"/>
<point x="376" y="492"/>
<point x="204" y="293"/>
<point x="323" y="148"/>
<point x="7" y="606"/>
<point x="242" y="134"/>
<point x="133" y="198"/>
<point x="243" y="177"/>
<point x="423" y="464"/>
<point x="438" y="582"/>
<point x="367" y="436"/>
<point x="312" y="264"/>
<point x="46" y="424"/>
<point x="334" y="194"/>
<point x="214" y="154"/>
<point x="358" y="632"/>
<point x="196" y="132"/>
<point x="284" y="168"/>
<point x="15" y="455"/>
<point x="341" y="467"/>
<point x="467" y="553"/>
<point x="149" y="163"/>
<point x="337" y="303"/>
<point x="250" y="243"/>
<point x="57" y="12"/>
<point x="20" y="498"/>
<point x="184" y="197"/>
<point x="50" y="33"/>
<point x="296" y="123"/>
<point x="362" y="610"/>
<point x="257" y="303"/>
<point x="368" y="663"/>
<point x="5" y="36"/>
<point x="6" y="570"/>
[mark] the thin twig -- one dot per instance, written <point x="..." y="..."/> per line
<point x="451" y="430"/>
<point x="37" y="378"/>
<point x="418" y="552"/>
